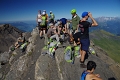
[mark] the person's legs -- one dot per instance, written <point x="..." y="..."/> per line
<point x="17" y="46"/>
<point x="41" y="31"/>
<point x="71" y="36"/>
<point x="65" y="28"/>
<point x="16" y="43"/>
<point x="57" y="38"/>
<point x="44" y="31"/>
<point x="84" y="47"/>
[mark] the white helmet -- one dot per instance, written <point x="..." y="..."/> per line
<point x="50" y="11"/>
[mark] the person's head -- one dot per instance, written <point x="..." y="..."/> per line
<point x="51" y="25"/>
<point x="39" y="11"/>
<point x="59" y="22"/>
<point x="85" y="15"/>
<point x="43" y="13"/>
<point x="50" y="12"/>
<point x="73" y="12"/>
<point x="91" y="66"/>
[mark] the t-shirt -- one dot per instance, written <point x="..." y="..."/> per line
<point x="52" y="16"/>
<point x="50" y="31"/>
<point x="21" y="38"/>
<point x="43" y="22"/>
<point x="39" y="17"/>
<point x="75" y="22"/>
<point x="84" y="29"/>
<point x="63" y="20"/>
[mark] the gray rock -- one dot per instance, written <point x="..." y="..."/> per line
<point x="0" y="75"/>
<point x="4" y="57"/>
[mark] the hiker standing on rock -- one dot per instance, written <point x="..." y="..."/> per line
<point x="51" y="17"/>
<point x="39" y="19"/>
<point x="43" y="26"/>
<point x="84" y="32"/>
<point x="75" y="23"/>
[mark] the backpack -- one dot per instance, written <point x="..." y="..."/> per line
<point x="71" y="52"/>
<point x="50" y="48"/>
<point x="68" y="54"/>
<point x="43" y="22"/>
<point x="77" y="50"/>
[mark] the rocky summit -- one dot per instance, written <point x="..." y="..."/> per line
<point x="8" y="36"/>
<point x="31" y="65"/>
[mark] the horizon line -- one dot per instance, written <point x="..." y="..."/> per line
<point x="55" y="19"/>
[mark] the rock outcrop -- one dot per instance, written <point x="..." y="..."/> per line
<point x="31" y="65"/>
<point x="8" y="36"/>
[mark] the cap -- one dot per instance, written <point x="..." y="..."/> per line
<point x="50" y="11"/>
<point x="43" y="13"/>
<point x="84" y="14"/>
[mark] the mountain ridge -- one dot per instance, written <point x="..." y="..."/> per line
<point x="8" y="36"/>
<point x="34" y="66"/>
<point x="108" y="42"/>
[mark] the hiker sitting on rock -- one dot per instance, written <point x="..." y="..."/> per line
<point x="52" y="33"/>
<point x="20" y="41"/>
<point x="88" y="74"/>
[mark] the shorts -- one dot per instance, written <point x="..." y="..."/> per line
<point x="39" y="25"/>
<point x="85" y="43"/>
<point x="20" y="43"/>
<point x="43" y="27"/>
<point x="52" y="21"/>
<point x="70" y="31"/>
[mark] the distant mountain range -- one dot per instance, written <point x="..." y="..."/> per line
<point x="25" y="26"/>
<point x="109" y="24"/>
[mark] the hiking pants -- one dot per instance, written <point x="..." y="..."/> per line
<point x="55" y="36"/>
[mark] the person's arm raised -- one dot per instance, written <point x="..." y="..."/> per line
<point x="94" y="23"/>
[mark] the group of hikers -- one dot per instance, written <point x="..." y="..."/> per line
<point x="78" y="31"/>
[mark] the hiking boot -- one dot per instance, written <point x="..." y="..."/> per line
<point x="40" y="37"/>
<point x="82" y="65"/>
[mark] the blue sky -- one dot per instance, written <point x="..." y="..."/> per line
<point x="19" y="10"/>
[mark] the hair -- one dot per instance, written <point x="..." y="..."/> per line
<point x="39" y="11"/>
<point x="91" y="65"/>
